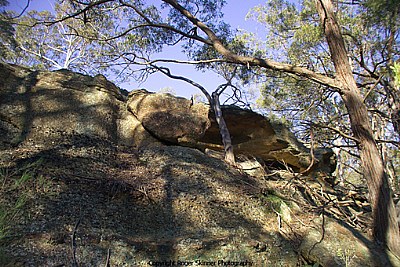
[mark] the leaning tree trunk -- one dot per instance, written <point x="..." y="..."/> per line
<point x="223" y="129"/>
<point x="213" y="100"/>
<point x="385" y="227"/>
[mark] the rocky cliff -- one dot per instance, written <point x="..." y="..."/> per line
<point x="90" y="176"/>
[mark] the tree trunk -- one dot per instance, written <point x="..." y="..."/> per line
<point x="213" y="100"/>
<point x="223" y="129"/>
<point x="385" y="227"/>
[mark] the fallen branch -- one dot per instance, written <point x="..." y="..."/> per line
<point x="108" y="257"/>
<point x="73" y="243"/>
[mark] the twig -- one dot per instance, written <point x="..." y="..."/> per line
<point x="322" y="236"/>
<point x="143" y="190"/>
<point x="108" y="257"/>
<point x="73" y="243"/>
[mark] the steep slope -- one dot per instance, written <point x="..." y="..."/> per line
<point x="83" y="182"/>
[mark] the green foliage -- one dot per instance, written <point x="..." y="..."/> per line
<point x="69" y="44"/>
<point x="382" y="12"/>
<point x="294" y="35"/>
<point x="7" y="41"/>
<point x="113" y="36"/>
<point x="85" y="43"/>
<point x="396" y="73"/>
<point x="205" y="10"/>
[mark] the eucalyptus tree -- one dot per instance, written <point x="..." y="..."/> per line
<point x="368" y="31"/>
<point x="49" y="46"/>
<point x="362" y="45"/>
<point x="84" y="43"/>
<point x="7" y="41"/>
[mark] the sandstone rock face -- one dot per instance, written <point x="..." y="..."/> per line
<point x="253" y="134"/>
<point x="169" y="118"/>
<point x="44" y="106"/>
<point x="176" y="120"/>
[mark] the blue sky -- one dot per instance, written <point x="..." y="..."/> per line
<point x="235" y="12"/>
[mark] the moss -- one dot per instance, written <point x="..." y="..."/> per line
<point x="271" y="200"/>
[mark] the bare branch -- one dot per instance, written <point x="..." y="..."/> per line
<point x="335" y="130"/>
<point x="23" y="10"/>
<point x="168" y="73"/>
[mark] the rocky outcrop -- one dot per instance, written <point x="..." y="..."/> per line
<point x="74" y="183"/>
<point x="178" y="121"/>
<point x="253" y="134"/>
<point x="45" y="106"/>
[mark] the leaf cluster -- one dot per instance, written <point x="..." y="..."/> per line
<point x="294" y="35"/>
<point x="7" y="41"/>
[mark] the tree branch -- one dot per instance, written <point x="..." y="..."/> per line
<point x="335" y="130"/>
<point x="55" y="64"/>
<point x="23" y="10"/>
<point x="82" y="11"/>
<point x="168" y="73"/>
<point x="231" y="57"/>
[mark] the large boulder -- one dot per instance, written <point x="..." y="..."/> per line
<point x="178" y="121"/>
<point x="169" y="118"/>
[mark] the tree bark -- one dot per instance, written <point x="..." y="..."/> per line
<point x="223" y="129"/>
<point x="385" y="227"/>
